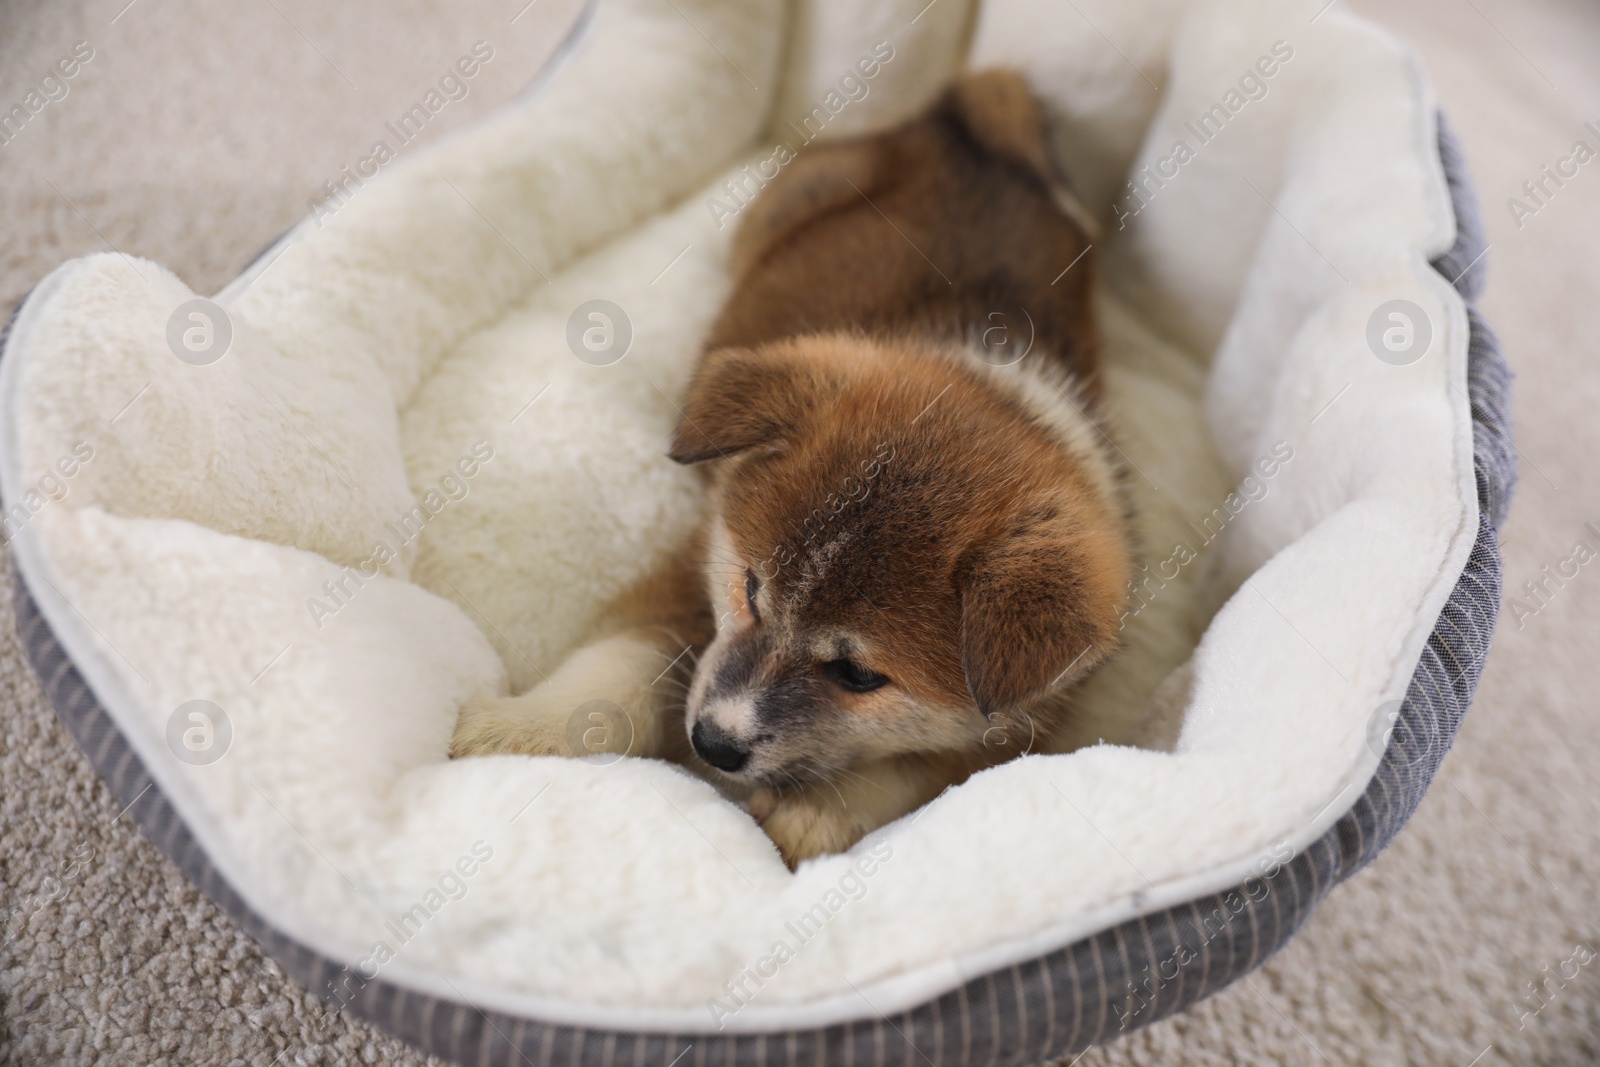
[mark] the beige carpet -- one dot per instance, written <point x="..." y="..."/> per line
<point x="197" y="132"/>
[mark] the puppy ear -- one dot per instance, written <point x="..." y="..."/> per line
<point x="742" y="398"/>
<point x="1040" y="605"/>
<point x="999" y="111"/>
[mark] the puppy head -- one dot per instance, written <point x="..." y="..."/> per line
<point x="901" y="556"/>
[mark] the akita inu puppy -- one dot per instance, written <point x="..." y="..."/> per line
<point x="916" y="540"/>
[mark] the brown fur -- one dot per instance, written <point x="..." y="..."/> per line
<point x="898" y="509"/>
<point x="975" y="567"/>
<point x="927" y="231"/>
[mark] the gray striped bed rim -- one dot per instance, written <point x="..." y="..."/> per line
<point x="1055" y="1005"/>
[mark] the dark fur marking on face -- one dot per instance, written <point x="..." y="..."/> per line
<point x="791" y="699"/>
<point x="739" y="664"/>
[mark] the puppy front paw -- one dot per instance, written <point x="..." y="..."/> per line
<point x="491" y="726"/>
<point x="803" y="825"/>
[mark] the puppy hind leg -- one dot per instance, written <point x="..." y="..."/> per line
<point x="819" y="180"/>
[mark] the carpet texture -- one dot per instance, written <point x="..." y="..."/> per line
<point x="195" y="133"/>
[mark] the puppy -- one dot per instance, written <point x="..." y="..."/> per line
<point x="917" y="540"/>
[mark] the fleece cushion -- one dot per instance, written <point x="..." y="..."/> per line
<point x="283" y="535"/>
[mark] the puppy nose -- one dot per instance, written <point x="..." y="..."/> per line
<point x="718" y="747"/>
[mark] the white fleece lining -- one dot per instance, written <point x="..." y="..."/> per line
<point x="604" y="906"/>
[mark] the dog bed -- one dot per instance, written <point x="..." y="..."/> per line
<point x="269" y="543"/>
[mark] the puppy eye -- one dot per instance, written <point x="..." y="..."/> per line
<point x="849" y="674"/>
<point x="750" y="588"/>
